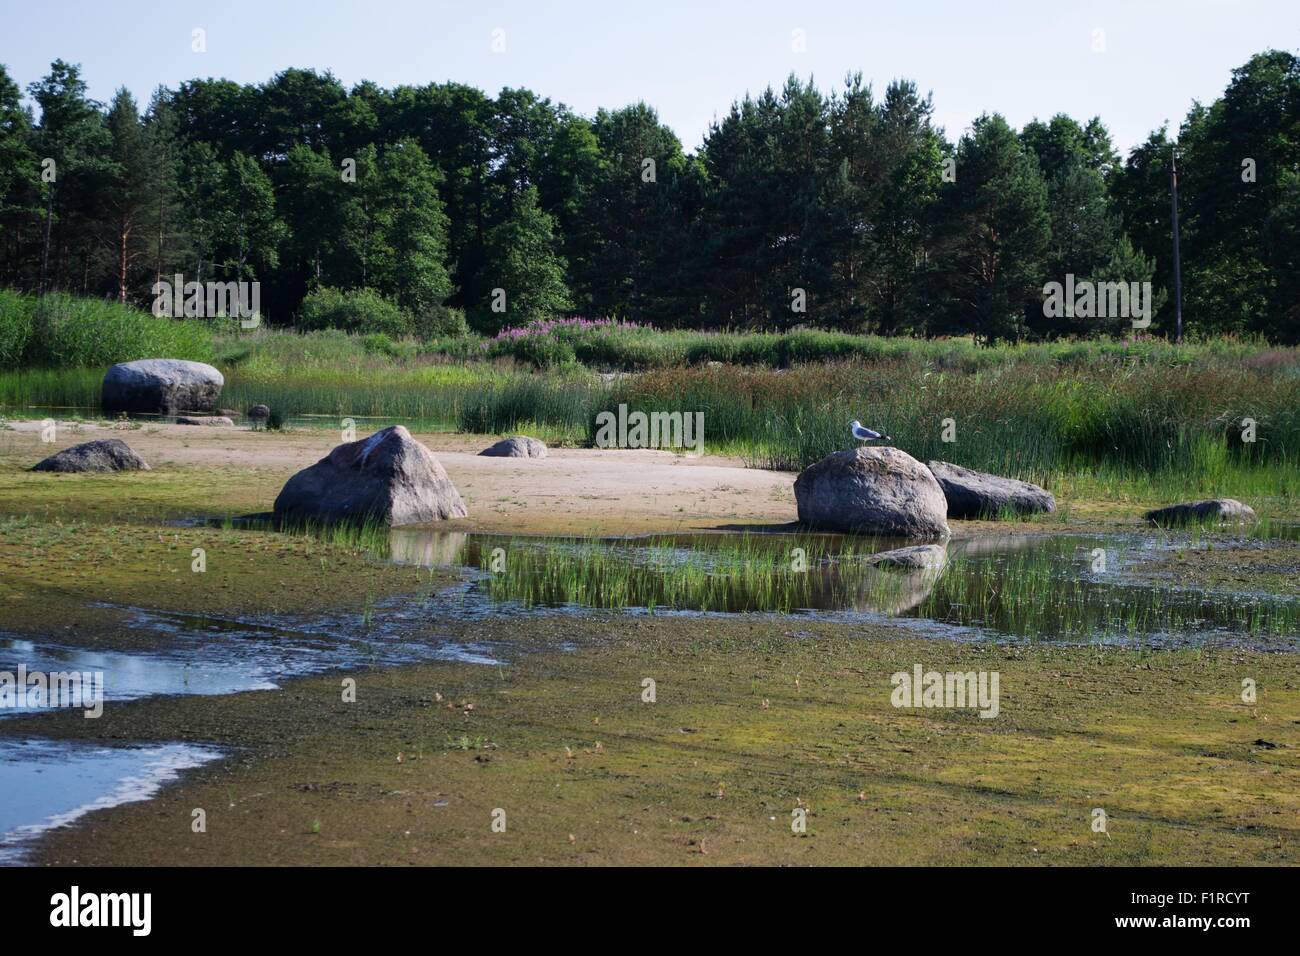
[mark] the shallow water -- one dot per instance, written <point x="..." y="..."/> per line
<point x="1061" y="587"/>
<point x="45" y="784"/>
<point x="131" y="676"/>
<point x="1058" y="587"/>
<point x="202" y="654"/>
<point x="1050" y="587"/>
<point x="48" y="784"/>
<point x="90" y="413"/>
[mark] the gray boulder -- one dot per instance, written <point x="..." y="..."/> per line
<point x="102" y="454"/>
<point x="161" y="387"/>
<point x="521" y="446"/>
<point x="389" y="477"/>
<point x="259" y="412"/>
<point x="872" y="490"/>
<point x="918" y="557"/>
<point x="975" y="494"/>
<point x="219" y="420"/>
<point x="1202" y="512"/>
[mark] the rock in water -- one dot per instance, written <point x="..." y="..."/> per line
<point x="521" y="446"/>
<point x="974" y="494"/>
<point x="872" y="490"/>
<point x="1201" y="512"/>
<point x="219" y="420"/>
<point x="389" y="477"/>
<point x="103" y="454"/>
<point x="161" y="387"/>
<point x="918" y="557"/>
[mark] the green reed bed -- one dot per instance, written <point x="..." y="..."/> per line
<point x="1045" y="592"/>
<point x="736" y="573"/>
<point x="618" y="346"/>
<point x="1028" y="422"/>
<point x="71" y="388"/>
<point x="370" y="537"/>
<point x="58" y="330"/>
<point x="1112" y="417"/>
<point x="1029" y="595"/>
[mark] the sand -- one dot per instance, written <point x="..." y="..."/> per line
<point x="574" y="491"/>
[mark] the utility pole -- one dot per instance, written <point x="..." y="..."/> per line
<point x="1178" y="269"/>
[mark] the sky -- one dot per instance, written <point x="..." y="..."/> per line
<point x="1137" y="63"/>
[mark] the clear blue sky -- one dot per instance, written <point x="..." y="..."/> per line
<point x="689" y="60"/>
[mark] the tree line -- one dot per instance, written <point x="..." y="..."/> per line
<point x="840" y="209"/>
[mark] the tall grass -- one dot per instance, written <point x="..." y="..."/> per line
<point x="1116" y="412"/>
<point x="73" y="388"/>
<point x="58" y="330"/>
<point x="618" y="346"/>
<point x="1026" y="421"/>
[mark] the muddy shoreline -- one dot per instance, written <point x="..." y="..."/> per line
<point x="750" y="722"/>
<point x="754" y="717"/>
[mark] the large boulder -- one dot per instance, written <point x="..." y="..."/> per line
<point x="102" y="454"/>
<point x="1202" y="512"/>
<point x="872" y="490"/>
<point x="389" y="477"/>
<point x="975" y="494"/>
<point x="161" y="387"/>
<point x="521" y="446"/>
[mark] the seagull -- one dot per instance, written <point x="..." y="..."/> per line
<point x="862" y="433"/>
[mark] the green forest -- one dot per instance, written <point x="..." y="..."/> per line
<point x="437" y="209"/>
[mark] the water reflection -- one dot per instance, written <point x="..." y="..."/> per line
<point x="1070" y="587"/>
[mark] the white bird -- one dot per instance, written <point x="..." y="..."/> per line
<point x="862" y="433"/>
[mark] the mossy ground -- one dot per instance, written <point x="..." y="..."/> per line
<point x="1248" y="566"/>
<point x="166" y="493"/>
<point x="587" y="772"/>
<point x="54" y="575"/>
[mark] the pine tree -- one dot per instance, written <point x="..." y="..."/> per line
<point x="73" y="139"/>
<point x="128" y="192"/>
<point x="20" y="207"/>
<point x="166" y="240"/>
<point x="524" y="260"/>
<point x="411" y="245"/>
<point x="993" y="233"/>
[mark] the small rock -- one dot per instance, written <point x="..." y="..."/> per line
<point x="521" y="446"/>
<point x="102" y="454"/>
<point x="921" y="557"/>
<point x="1202" y="512"/>
<point x="259" y="412"/>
